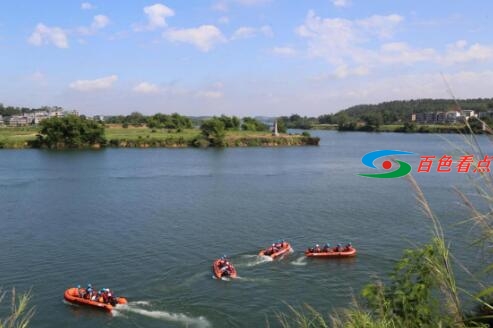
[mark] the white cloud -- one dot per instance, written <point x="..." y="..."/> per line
<point x="210" y="94"/>
<point x="402" y="53"/>
<point x="37" y="76"/>
<point x="284" y="51"/>
<point x="98" y="22"/>
<point x="459" y="52"/>
<point x="146" y="87"/>
<point x="43" y="35"/>
<point x="92" y="85"/>
<point x="86" y="6"/>
<point x="246" y="32"/>
<point x="204" y="37"/>
<point x="343" y="71"/>
<point x="341" y="3"/>
<point x="347" y="44"/>
<point x="156" y="17"/>
<point x="383" y="26"/>
<point x="220" y="5"/>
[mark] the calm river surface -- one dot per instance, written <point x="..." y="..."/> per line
<point x="149" y="222"/>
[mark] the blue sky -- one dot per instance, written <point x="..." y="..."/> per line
<point x="241" y="57"/>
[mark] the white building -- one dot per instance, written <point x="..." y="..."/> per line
<point x="452" y="116"/>
<point x="467" y="114"/>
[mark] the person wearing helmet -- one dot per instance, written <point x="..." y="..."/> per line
<point x="89" y="291"/>
<point x="348" y="247"/>
<point x="327" y="247"/>
<point x="317" y="248"/>
<point x="338" y="248"/>
<point x="222" y="261"/>
<point x="226" y="269"/>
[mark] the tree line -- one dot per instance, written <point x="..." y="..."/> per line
<point x="80" y="132"/>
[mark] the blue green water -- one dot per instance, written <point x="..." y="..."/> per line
<point x="149" y="222"/>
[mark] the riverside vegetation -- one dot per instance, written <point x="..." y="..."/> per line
<point x="160" y="130"/>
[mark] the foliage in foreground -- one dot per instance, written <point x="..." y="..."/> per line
<point x="422" y="290"/>
<point x="20" y="313"/>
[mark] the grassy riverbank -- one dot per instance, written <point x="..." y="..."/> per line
<point x="143" y="137"/>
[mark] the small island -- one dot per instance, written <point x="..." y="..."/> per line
<point x="71" y="131"/>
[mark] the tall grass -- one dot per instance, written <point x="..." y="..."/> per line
<point x="20" y="313"/>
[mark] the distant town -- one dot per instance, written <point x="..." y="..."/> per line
<point x="35" y="117"/>
<point x="449" y="117"/>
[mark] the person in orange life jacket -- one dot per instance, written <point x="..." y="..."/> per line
<point x="317" y="249"/>
<point x="99" y="296"/>
<point x="338" y="248"/>
<point x="327" y="247"/>
<point x="348" y="247"/>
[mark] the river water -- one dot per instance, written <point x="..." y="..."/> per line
<point x="149" y="222"/>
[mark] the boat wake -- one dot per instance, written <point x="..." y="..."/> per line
<point x="247" y="279"/>
<point x="137" y="308"/>
<point x="253" y="260"/>
<point x="299" y="261"/>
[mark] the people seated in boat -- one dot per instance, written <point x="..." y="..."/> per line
<point x="271" y="250"/>
<point x="317" y="249"/>
<point x="105" y="295"/>
<point x="226" y="269"/>
<point x="348" y="247"/>
<point x="222" y="261"/>
<point x="81" y="291"/>
<point x="279" y="244"/>
<point x="338" y="248"/>
<point x="111" y="299"/>
<point x="89" y="292"/>
<point x="327" y="248"/>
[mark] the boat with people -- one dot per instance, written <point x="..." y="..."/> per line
<point x="331" y="252"/>
<point x="222" y="267"/>
<point x="104" y="299"/>
<point x="277" y="249"/>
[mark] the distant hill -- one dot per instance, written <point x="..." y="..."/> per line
<point x="400" y="110"/>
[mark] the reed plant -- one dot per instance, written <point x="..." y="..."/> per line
<point x="20" y="313"/>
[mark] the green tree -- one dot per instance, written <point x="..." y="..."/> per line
<point x="252" y="124"/>
<point x="230" y="122"/>
<point x="213" y="130"/>
<point x="70" y="132"/>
